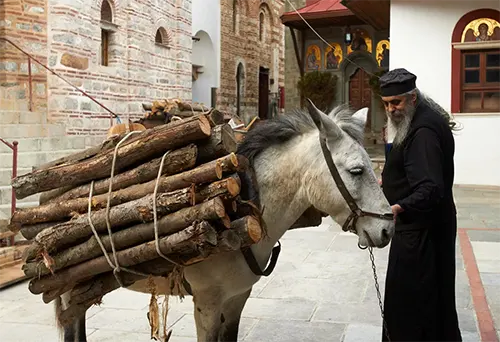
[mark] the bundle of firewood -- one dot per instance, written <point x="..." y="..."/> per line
<point x="163" y="111"/>
<point x="163" y="198"/>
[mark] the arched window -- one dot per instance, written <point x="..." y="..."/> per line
<point x="262" y="27"/>
<point x="106" y="30"/>
<point x="476" y="63"/>
<point x="162" y="37"/>
<point x="106" y="12"/>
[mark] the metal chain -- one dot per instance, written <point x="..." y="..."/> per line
<point x="377" y="288"/>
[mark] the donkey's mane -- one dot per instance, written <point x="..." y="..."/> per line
<point x="283" y="128"/>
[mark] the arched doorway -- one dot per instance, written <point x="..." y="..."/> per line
<point x="360" y="94"/>
<point x="204" y="66"/>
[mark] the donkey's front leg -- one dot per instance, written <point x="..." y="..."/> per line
<point x="207" y="315"/>
<point x="231" y="314"/>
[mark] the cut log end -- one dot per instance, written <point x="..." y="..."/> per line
<point x="219" y="208"/>
<point x="254" y="229"/>
<point x="233" y="187"/>
<point x="218" y="169"/>
<point x="205" y="125"/>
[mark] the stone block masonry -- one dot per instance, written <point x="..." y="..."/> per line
<point x="241" y="43"/>
<point x="68" y="36"/>
<point x="139" y="69"/>
<point x="24" y="23"/>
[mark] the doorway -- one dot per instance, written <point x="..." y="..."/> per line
<point x="263" y="93"/>
<point x="360" y="94"/>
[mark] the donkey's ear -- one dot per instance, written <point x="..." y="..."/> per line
<point x="360" y="116"/>
<point x="323" y="121"/>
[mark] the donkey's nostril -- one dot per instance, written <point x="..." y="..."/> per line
<point x="385" y="234"/>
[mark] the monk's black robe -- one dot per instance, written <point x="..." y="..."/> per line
<point x="419" y="299"/>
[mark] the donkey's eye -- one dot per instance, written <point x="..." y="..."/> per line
<point x="357" y="171"/>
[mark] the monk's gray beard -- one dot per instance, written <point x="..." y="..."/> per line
<point x="399" y="129"/>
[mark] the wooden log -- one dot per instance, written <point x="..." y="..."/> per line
<point x="106" y="145"/>
<point x="46" y="196"/>
<point x="200" y="236"/>
<point x="186" y="106"/>
<point x="177" y="161"/>
<point x="55" y="238"/>
<point x="215" y="117"/>
<point x="205" y="173"/>
<point x="169" y="224"/>
<point x="248" y="229"/>
<point x="86" y="294"/>
<point x="91" y="292"/>
<point x="29" y="232"/>
<point x="68" y="233"/>
<point x="147" y="144"/>
<point x="220" y="143"/>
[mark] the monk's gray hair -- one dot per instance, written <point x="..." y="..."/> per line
<point x="434" y="106"/>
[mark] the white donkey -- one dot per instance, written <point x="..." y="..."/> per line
<point x="292" y="175"/>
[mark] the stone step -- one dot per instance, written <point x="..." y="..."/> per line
<point x="6" y="196"/>
<point x="57" y="143"/>
<point x="30" y="159"/>
<point x="12" y="131"/>
<point x="21" y="117"/>
<point x="5" y="208"/>
<point x="6" y="174"/>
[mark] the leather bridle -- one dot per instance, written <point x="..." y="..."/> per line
<point x="356" y="212"/>
<point x="348" y="226"/>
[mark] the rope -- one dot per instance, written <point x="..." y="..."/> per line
<point x="155" y="218"/>
<point x="116" y="266"/>
<point x="108" y="203"/>
<point x="319" y="36"/>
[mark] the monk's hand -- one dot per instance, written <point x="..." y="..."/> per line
<point x="396" y="209"/>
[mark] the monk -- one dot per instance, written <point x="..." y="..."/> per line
<point x="417" y="180"/>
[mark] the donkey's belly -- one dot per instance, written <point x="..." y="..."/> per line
<point x="227" y="273"/>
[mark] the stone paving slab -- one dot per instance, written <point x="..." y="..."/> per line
<point x="322" y="290"/>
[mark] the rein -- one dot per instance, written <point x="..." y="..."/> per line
<point x="356" y="212"/>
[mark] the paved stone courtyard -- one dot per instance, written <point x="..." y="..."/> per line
<point x="321" y="290"/>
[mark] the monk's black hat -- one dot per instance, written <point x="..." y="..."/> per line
<point x="397" y="82"/>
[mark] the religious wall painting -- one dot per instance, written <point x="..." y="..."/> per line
<point x="481" y="30"/>
<point x="382" y="51"/>
<point x="333" y="56"/>
<point x="313" y="57"/>
<point x="361" y="41"/>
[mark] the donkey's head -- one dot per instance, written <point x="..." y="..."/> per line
<point x="343" y="134"/>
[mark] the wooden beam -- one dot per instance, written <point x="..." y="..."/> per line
<point x="297" y="53"/>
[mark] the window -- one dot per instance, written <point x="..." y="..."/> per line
<point x="261" y="26"/>
<point x="481" y="81"/>
<point x="104" y="47"/>
<point x="475" y="63"/>
<point x="107" y="29"/>
<point x="162" y="37"/>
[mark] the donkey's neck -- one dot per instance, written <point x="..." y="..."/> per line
<point x="280" y="172"/>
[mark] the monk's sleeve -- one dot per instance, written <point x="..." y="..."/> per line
<point x="423" y="166"/>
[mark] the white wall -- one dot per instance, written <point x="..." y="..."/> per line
<point x="420" y="38"/>
<point x="206" y="52"/>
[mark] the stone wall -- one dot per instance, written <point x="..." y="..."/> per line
<point x="242" y="45"/>
<point x="25" y="24"/>
<point x="139" y="70"/>
<point x="66" y="35"/>
<point x="292" y="72"/>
